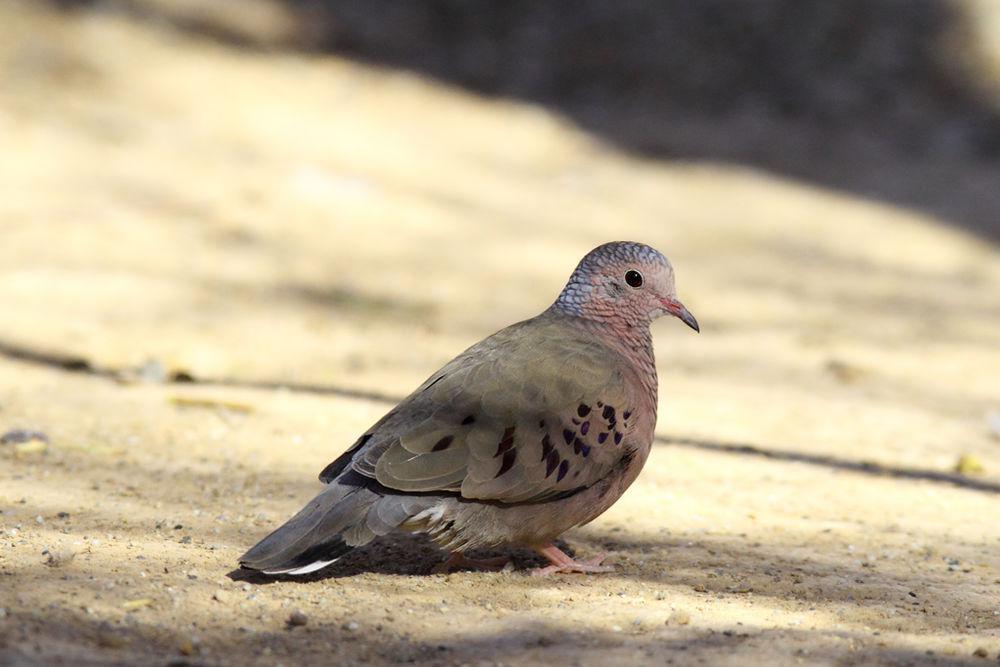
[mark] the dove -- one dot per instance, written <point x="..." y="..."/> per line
<point x="536" y="429"/>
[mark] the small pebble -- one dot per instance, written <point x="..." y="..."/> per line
<point x="993" y="424"/>
<point x="21" y="436"/>
<point x="969" y="464"/>
<point x="352" y="626"/>
<point x="679" y="617"/>
<point x="297" y="618"/>
<point x="981" y="652"/>
<point x="152" y="372"/>
<point x="60" y="557"/>
<point x="185" y="646"/>
<point x="138" y="603"/>
<point x="845" y="372"/>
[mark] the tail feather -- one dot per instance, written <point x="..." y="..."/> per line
<point x="340" y="518"/>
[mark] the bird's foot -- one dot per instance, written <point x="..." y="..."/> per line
<point x="562" y="563"/>
<point x="458" y="561"/>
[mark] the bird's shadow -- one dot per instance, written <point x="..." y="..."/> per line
<point x="401" y="554"/>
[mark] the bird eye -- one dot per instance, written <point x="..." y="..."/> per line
<point x="633" y="278"/>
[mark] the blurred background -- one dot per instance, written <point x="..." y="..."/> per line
<point x="337" y="196"/>
<point x="276" y="191"/>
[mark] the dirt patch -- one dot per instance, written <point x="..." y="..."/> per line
<point x="239" y="259"/>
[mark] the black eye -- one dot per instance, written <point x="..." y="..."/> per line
<point x="633" y="278"/>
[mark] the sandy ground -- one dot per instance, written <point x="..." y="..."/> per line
<point x="308" y="238"/>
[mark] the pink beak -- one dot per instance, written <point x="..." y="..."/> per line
<point x="677" y="309"/>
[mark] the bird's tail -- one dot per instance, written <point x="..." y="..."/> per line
<point x="346" y="514"/>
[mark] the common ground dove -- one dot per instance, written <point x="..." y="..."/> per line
<point x="539" y="428"/>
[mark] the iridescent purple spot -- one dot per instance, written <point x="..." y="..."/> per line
<point x="584" y="427"/>
<point x="618" y="438"/>
<point x="601" y="437"/>
<point x="568" y="435"/>
<point x="563" y="469"/>
<point x="508" y="461"/>
<point x="506" y="442"/>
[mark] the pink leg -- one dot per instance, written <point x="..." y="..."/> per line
<point x="563" y="563"/>
<point x="458" y="561"/>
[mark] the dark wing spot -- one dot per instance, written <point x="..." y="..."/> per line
<point x="609" y="412"/>
<point x="541" y="423"/>
<point x="468" y="420"/>
<point x="600" y="405"/>
<point x="568" y="435"/>
<point x="618" y="438"/>
<point x="506" y="441"/>
<point x="563" y="469"/>
<point x="551" y="463"/>
<point x="508" y="461"/>
<point x="583" y="410"/>
<point x="546" y="447"/>
<point x="576" y="422"/>
<point x="626" y="414"/>
<point x="443" y="443"/>
<point x="578" y="445"/>
<point x="601" y="437"/>
<point x="585" y="450"/>
<point x="584" y="427"/>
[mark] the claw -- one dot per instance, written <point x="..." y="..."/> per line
<point x="562" y="563"/>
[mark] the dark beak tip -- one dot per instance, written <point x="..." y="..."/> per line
<point x="687" y="318"/>
<point x="677" y="309"/>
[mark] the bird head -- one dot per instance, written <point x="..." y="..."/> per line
<point x="624" y="282"/>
